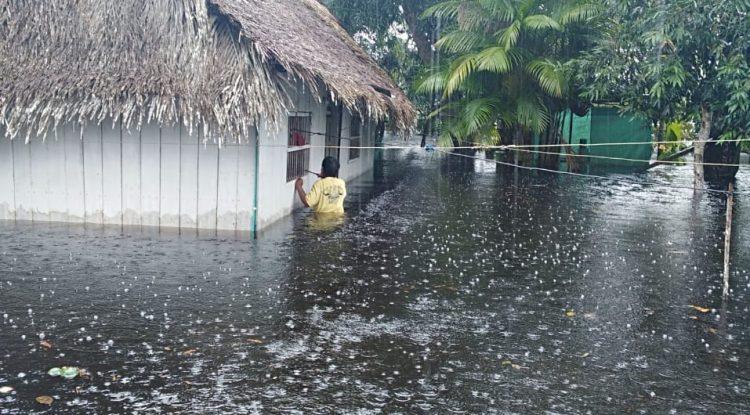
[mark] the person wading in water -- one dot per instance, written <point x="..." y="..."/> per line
<point x="328" y="193"/>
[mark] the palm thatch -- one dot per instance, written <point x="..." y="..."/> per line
<point x="210" y="64"/>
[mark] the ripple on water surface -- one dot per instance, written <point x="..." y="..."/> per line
<point x="449" y="288"/>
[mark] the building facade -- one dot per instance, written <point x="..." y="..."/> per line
<point x="201" y="122"/>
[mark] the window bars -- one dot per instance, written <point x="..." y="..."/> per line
<point x="298" y="143"/>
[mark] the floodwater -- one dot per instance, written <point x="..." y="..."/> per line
<point x="452" y="287"/>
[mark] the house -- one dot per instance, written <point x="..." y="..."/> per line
<point x="194" y="114"/>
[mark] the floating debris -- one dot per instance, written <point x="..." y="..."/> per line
<point x="508" y="362"/>
<point x="6" y="389"/>
<point x="67" y="372"/>
<point x="188" y="352"/>
<point x="700" y="309"/>
<point x="570" y="313"/>
<point x="45" y="400"/>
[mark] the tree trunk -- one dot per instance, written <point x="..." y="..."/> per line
<point x="660" y="131"/>
<point x="421" y="39"/>
<point x="700" y="146"/>
<point x="722" y="162"/>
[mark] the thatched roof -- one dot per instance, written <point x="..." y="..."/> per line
<point x="210" y="64"/>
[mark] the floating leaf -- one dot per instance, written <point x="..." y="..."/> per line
<point x="701" y="309"/>
<point x="188" y="352"/>
<point x="515" y="366"/>
<point x="693" y="317"/>
<point x="585" y="354"/>
<point x="84" y="374"/>
<point x="712" y="330"/>
<point x="44" y="344"/>
<point x="55" y="371"/>
<point x="506" y="362"/>
<point x="6" y="389"/>
<point x="45" y="400"/>
<point x="570" y="312"/>
<point x="69" y="372"/>
<point x="254" y="340"/>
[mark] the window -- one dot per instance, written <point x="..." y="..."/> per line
<point x="298" y="144"/>
<point x="355" y="137"/>
<point x="333" y="130"/>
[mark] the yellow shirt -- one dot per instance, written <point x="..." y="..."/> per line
<point x="327" y="195"/>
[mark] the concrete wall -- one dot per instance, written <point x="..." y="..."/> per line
<point x="105" y="174"/>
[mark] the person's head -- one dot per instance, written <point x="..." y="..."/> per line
<point x="330" y="167"/>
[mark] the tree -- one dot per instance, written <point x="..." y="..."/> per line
<point x="507" y="75"/>
<point x="677" y="59"/>
<point x="379" y="17"/>
<point x="380" y="26"/>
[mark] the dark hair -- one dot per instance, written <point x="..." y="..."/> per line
<point x="330" y="167"/>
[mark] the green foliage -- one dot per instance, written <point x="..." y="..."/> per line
<point x="675" y="135"/>
<point x="394" y="36"/>
<point x="667" y="60"/>
<point x="366" y="15"/>
<point x="507" y="64"/>
<point x="735" y="76"/>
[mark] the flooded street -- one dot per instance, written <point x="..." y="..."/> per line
<point x="452" y="287"/>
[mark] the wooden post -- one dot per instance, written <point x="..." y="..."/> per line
<point x="727" y="238"/>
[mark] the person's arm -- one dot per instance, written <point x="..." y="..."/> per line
<point x="301" y="191"/>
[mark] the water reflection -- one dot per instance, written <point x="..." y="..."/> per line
<point x="449" y="287"/>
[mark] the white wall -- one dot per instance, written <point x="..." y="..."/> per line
<point x="7" y="184"/>
<point x="351" y="169"/>
<point x="164" y="177"/>
<point x="277" y="197"/>
<point x="104" y="174"/>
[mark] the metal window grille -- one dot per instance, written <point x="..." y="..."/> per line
<point x="297" y="162"/>
<point x="298" y="159"/>
<point x="299" y="130"/>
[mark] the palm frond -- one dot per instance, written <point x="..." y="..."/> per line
<point x="461" y="68"/>
<point x="480" y="113"/>
<point x="550" y="75"/>
<point x="433" y="83"/>
<point x="460" y="41"/>
<point x="541" y="22"/>
<point x="445" y="9"/>
<point x="532" y="113"/>
<point x="445" y="139"/>
<point x="579" y="13"/>
<point x="500" y="10"/>
<point x="509" y="36"/>
<point x="494" y="59"/>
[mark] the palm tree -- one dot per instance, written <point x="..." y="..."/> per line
<point x="506" y="77"/>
